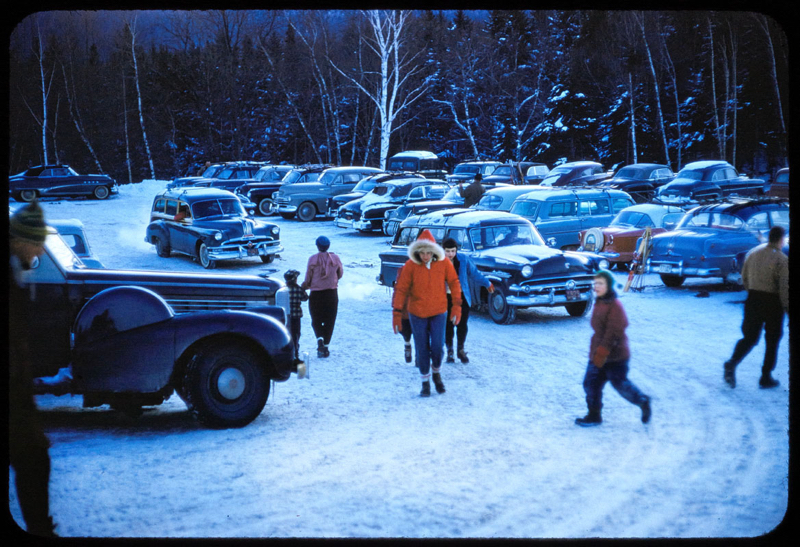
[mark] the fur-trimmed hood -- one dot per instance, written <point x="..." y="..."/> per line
<point x="425" y="242"/>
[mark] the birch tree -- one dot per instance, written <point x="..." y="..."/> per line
<point x="659" y="112"/>
<point x="763" y="22"/>
<point x="717" y="128"/>
<point x="396" y="70"/>
<point x="131" y="25"/>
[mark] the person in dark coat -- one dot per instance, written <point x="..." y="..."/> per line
<point x="468" y="274"/>
<point x="296" y="298"/>
<point x="27" y="444"/>
<point x="323" y="273"/>
<point x="473" y="192"/>
<point x="609" y="354"/>
<point x="420" y="287"/>
<point x="765" y="275"/>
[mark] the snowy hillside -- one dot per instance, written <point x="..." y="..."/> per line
<point x="354" y="452"/>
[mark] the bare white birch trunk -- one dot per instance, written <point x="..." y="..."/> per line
<point x="720" y="143"/>
<point x="633" y="120"/>
<point x="139" y="99"/>
<point x="659" y="112"/>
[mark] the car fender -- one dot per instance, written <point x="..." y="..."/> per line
<point x="157" y="228"/>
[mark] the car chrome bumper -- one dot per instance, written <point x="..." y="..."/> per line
<point x="547" y="299"/>
<point x="283" y="208"/>
<point x="242" y="251"/>
<point x="343" y="223"/>
<point x="672" y="268"/>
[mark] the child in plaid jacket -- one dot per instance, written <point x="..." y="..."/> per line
<point x="296" y="297"/>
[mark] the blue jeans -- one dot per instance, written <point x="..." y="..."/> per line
<point x="616" y="373"/>
<point x="428" y="342"/>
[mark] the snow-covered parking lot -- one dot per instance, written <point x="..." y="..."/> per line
<point x="354" y="451"/>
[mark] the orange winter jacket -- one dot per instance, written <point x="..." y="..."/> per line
<point x="423" y="288"/>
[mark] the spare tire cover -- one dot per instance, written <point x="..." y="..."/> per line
<point x="593" y="236"/>
<point x="119" y="309"/>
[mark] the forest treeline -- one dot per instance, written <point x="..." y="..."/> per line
<point x="150" y="94"/>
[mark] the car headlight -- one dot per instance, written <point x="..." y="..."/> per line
<point x="527" y="270"/>
<point x="218" y="236"/>
<point x="276" y="230"/>
<point x="603" y="264"/>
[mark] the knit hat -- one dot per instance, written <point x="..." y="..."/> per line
<point x="291" y="275"/>
<point x="28" y="223"/>
<point x="323" y="243"/>
<point x="425" y="242"/>
<point x="609" y="277"/>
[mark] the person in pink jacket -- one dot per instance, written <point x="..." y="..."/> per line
<point x="421" y="286"/>
<point x="609" y="354"/>
<point x="323" y="272"/>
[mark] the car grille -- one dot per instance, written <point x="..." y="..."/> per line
<point x="246" y="241"/>
<point x="349" y="215"/>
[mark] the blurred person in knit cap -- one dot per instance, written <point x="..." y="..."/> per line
<point x="27" y="443"/>
<point x="323" y="272"/>
<point x="421" y="286"/>
<point x="609" y="354"/>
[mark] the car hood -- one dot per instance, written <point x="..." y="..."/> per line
<point x="233" y="226"/>
<point x="679" y="185"/>
<point x="618" y="231"/>
<point x="370" y="199"/>
<point x="350" y="196"/>
<point x="547" y="259"/>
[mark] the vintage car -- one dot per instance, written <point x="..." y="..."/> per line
<point x="71" y="231"/>
<point x="501" y="198"/>
<point x="640" y="180"/>
<point x="466" y="171"/>
<point x="512" y="172"/>
<point x="709" y="238"/>
<point x="307" y="200"/>
<point x="231" y="176"/>
<point x="208" y="172"/>
<point x="576" y="173"/>
<point x="209" y="224"/>
<point x="420" y="162"/>
<point x="393" y="217"/>
<point x="260" y="188"/>
<point x="560" y="214"/>
<point x="617" y="241"/>
<point x="510" y="252"/>
<point x="708" y="181"/>
<point x="59" y="181"/>
<point x="366" y="213"/>
<point x="364" y="186"/>
<point x="133" y="337"/>
<point x="780" y="186"/>
<point x="536" y="173"/>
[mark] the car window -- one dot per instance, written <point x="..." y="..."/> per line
<point x="759" y="222"/>
<point x="594" y="207"/>
<point x="172" y="207"/>
<point x="780" y="218"/>
<point x="563" y="209"/>
<point x="208" y="208"/>
<point x="400" y="190"/>
<point x="618" y="204"/>
<point x="503" y="236"/>
<point x="466" y="169"/>
<point x="437" y="191"/>
<point x="489" y="170"/>
<point x="670" y="220"/>
<point x="407" y="235"/>
<point x="504" y="170"/>
<point x="700" y="219"/>
<point x="526" y="209"/>
<point x="416" y="193"/>
<point x="645" y="221"/>
<point x="726" y="222"/>
<point x="183" y="209"/>
<point x="460" y="236"/>
<point x="690" y="174"/>
<point x="782" y="177"/>
<point x="75" y="243"/>
<point x="351" y="178"/>
<point x="537" y="170"/>
<point x="490" y="201"/>
<point x="597" y="169"/>
<point x="626" y="218"/>
<point x="719" y="174"/>
<point x="225" y="174"/>
<point x="158" y="206"/>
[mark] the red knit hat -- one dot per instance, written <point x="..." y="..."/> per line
<point x="426" y="234"/>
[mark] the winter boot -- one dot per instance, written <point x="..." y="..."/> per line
<point x="437" y="381"/>
<point x="645" y="406"/>
<point x="767" y="381"/>
<point x="591" y="419"/>
<point x="463" y="356"/>
<point x="730" y="374"/>
<point x="450" y="356"/>
<point x="322" y="349"/>
<point x="408" y="353"/>
<point x="426" y="389"/>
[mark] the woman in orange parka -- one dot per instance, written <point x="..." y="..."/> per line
<point x="421" y="287"/>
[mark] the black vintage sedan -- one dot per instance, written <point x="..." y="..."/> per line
<point x="132" y="337"/>
<point x="708" y="181"/>
<point x="209" y="224"/>
<point x="58" y="181"/>
<point x="508" y="250"/>
<point x="640" y="180"/>
<point x="576" y="173"/>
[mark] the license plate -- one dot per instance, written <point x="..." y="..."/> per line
<point x="252" y="251"/>
<point x="573" y="294"/>
<point x="664" y="268"/>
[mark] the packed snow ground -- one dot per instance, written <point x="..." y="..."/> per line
<point x="355" y="452"/>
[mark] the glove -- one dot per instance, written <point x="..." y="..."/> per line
<point x="397" y="321"/>
<point x="455" y="314"/>
<point x="600" y="356"/>
<point x="491" y="288"/>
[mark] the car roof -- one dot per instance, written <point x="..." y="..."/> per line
<point x="549" y="193"/>
<point x="422" y="154"/>
<point x="352" y="168"/>
<point x="653" y="210"/>
<point x="706" y="164"/>
<point x="581" y="163"/>
<point x="468" y="217"/>
<point x="66" y="225"/>
<point x="511" y="190"/>
<point x="645" y="166"/>
<point x="739" y="206"/>
<point x="194" y="193"/>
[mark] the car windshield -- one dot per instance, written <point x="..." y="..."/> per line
<point x="632" y="218"/>
<point x="467" y="169"/>
<point x="692" y="174"/>
<point x="267" y="174"/>
<point x="537" y="170"/>
<point x="365" y="185"/>
<point x="211" y="171"/>
<point x="403" y="165"/>
<point x="525" y="208"/>
<point x="491" y="237"/>
<point x="629" y="173"/>
<point x="554" y="175"/>
<point x="62" y="252"/>
<point x="502" y="170"/>
<point x="328" y="177"/>
<point x="217" y="207"/>
<point x="453" y="194"/>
